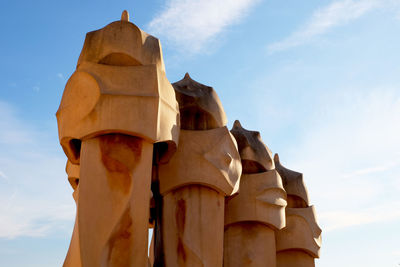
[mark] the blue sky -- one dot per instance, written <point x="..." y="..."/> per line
<point x="319" y="79"/>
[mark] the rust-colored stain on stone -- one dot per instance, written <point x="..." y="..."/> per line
<point x="180" y="217"/>
<point x="121" y="241"/>
<point x="120" y="154"/>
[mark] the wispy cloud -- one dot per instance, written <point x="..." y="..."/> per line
<point x="61" y="76"/>
<point x="343" y="219"/>
<point x="324" y="19"/>
<point x="371" y="170"/>
<point x="192" y="24"/>
<point x="34" y="191"/>
<point x="13" y="131"/>
<point x="350" y="158"/>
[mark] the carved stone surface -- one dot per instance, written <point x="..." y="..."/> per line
<point x="299" y="242"/>
<point x="193" y="223"/>
<point x="115" y="106"/>
<point x="294" y="185"/>
<point x="249" y="244"/>
<point x="73" y="258"/>
<point x="113" y="202"/>
<point x="252" y="214"/>
<point x="301" y="232"/>
<point x="261" y="198"/>
<point x="256" y="156"/>
<point x="142" y="153"/>
<point x="119" y="86"/>
<point x="207" y="157"/>
<point x="199" y="105"/>
<point x="204" y="169"/>
<point x="294" y="258"/>
<point x="72" y="171"/>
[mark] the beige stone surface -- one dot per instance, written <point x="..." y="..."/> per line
<point x="301" y="232"/>
<point x="261" y="199"/>
<point x="205" y="168"/>
<point x="294" y="185"/>
<point x="193" y="224"/>
<point x="207" y="157"/>
<point x="100" y="99"/>
<point x="199" y="105"/>
<point x="122" y="43"/>
<point x="298" y="244"/>
<point x="115" y="106"/>
<point x="72" y="171"/>
<point x="73" y="258"/>
<point x="151" y="251"/>
<point x="138" y="160"/>
<point x="252" y="214"/>
<point x="256" y="156"/>
<point x="119" y="86"/>
<point x="125" y="16"/>
<point x="114" y="199"/>
<point x="294" y="258"/>
<point x="249" y="244"/>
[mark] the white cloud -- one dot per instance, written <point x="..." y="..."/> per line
<point x="350" y="158"/>
<point x="192" y="24"/>
<point x="324" y="19"/>
<point x="34" y="192"/>
<point x="375" y="169"/>
<point x="3" y="176"/>
<point x="12" y="131"/>
<point x="60" y="75"/>
<point x="342" y="219"/>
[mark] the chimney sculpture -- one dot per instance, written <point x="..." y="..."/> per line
<point x="252" y="214"/>
<point x="204" y="169"/>
<point x="119" y="123"/>
<point x="115" y="106"/>
<point x="297" y="244"/>
<point x="73" y="257"/>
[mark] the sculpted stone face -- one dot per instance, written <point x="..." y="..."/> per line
<point x="294" y="185"/>
<point x="72" y="171"/>
<point x="121" y="43"/>
<point x="199" y="105"/>
<point x="261" y="198"/>
<point x="73" y="257"/>
<point x="115" y="107"/>
<point x="207" y="152"/>
<point x="119" y="86"/>
<point x="258" y="209"/>
<point x="208" y="157"/>
<point x="301" y="232"/>
<point x="256" y="156"/>
<point x="205" y="168"/>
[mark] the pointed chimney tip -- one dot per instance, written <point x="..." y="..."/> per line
<point x="125" y="16"/>
<point x="237" y="124"/>
<point x="276" y="158"/>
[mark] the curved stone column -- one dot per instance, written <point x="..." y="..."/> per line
<point x="257" y="210"/>
<point x="115" y="106"/>
<point x="204" y="169"/>
<point x="298" y="244"/>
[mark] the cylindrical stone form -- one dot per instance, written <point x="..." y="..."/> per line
<point x="257" y="210"/>
<point x="294" y="258"/>
<point x="249" y="244"/>
<point x="113" y="207"/>
<point x="73" y="258"/>
<point x="193" y="222"/>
